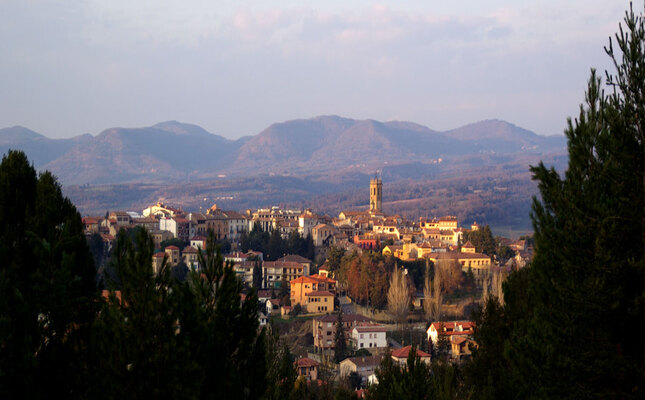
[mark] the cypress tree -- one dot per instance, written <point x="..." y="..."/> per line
<point x="340" y="344"/>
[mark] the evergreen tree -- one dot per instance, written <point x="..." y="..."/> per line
<point x="310" y="248"/>
<point x="285" y="290"/>
<point x="583" y="298"/>
<point x="340" y="344"/>
<point x="47" y="286"/>
<point x="335" y="257"/>
<point x="257" y="274"/>
<point x="275" y="247"/>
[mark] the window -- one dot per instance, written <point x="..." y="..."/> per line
<point x="362" y="336"/>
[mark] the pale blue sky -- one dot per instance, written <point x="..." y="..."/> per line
<point x="71" y="67"/>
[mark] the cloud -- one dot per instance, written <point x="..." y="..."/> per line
<point x="237" y="66"/>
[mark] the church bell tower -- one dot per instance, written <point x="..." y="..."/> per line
<point x="376" y="194"/>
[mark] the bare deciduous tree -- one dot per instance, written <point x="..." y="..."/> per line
<point x="498" y="278"/>
<point x="398" y="296"/>
<point x="449" y="270"/>
<point x="433" y="296"/>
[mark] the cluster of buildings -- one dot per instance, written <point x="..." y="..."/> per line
<point x="436" y="239"/>
<point x="353" y="230"/>
<point x="363" y="333"/>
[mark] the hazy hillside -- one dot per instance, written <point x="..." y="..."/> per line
<point x="331" y="148"/>
<point x="502" y="137"/>
<point x="168" y="151"/>
<point x="39" y="148"/>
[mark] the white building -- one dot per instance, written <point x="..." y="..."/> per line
<point x="450" y="329"/>
<point x="368" y="337"/>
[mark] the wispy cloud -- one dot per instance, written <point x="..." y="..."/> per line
<point x="235" y="67"/>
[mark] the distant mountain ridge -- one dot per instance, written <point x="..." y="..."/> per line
<point x="173" y="152"/>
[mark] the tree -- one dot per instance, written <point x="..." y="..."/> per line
<point x="398" y="296"/>
<point x="355" y="380"/>
<point x="173" y="242"/>
<point x="335" y="257"/>
<point x="433" y="297"/>
<point x="449" y="273"/>
<point x="340" y="342"/>
<point x="585" y="287"/>
<point x="310" y="248"/>
<point x="257" y="274"/>
<point x="275" y="247"/>
<point x="482" y="239"/>
<point x="285" y="290"/>
<point x="48" y="294"/>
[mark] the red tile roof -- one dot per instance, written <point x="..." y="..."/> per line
<point x="172" y="247"/>
<point x="320" y="293"/>
<point x="403" y="352"/>
<point x="370" y="328"/>
<point x="295" y="258"/>
<point x="306" y="362"/>
<point x="311" y="279"/>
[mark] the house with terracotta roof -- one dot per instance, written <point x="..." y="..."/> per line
<point x="324" y="328"/>
<point x="238" y="225"/>
<point x="159" y="236"/>
<point x="306" y="221"/>
<point x="452" y="328"/>
<point x="190" y="256"/>
<point x="307" y="368"/>
<point x="91" y="224"/>
<point x="460" y="348"/>
<point x="173" y="255"/>
<point x="274" y="271"/>
<point x="303" y="285"/>
<point x="323" y="234"/>
<point x="363" y="366"/>
<point x="367" y="242"/>
<point x="198" y="242"/>
<point x="319" y="301"/>
<point x="400" y="356"/>
<point x="305" y="262"/>
<point x="178" y="226"/>
<point x="448" y="222"/>
<point x="370" y="337"/>
<point x="468" y="247"/>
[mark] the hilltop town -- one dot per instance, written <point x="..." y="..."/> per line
<point x="310" y="272"/>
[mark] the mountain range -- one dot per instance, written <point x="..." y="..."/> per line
<point x="324" y="146"/>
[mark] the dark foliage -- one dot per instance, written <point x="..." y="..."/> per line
<point x="571" y="323"/>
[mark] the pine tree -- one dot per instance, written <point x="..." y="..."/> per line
<point x="257" y="274"/>
<point x="48" y="294"/>
<point x="583" y="302"/>
<point x="340" y="344"/>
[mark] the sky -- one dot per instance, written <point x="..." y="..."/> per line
<point x="235" y="67"/>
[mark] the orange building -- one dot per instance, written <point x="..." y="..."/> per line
<point x="319" y="301"/>
<point x="300" y="287"/>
